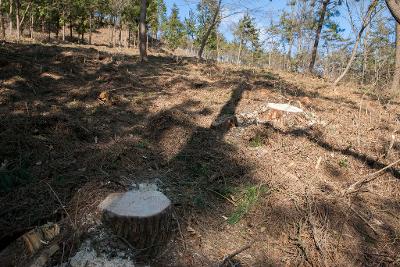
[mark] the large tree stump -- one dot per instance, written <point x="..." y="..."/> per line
<point x="143" y="218"/>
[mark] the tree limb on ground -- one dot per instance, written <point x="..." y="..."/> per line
<point x="354" y="188"/>
<point x="235" y="253"/>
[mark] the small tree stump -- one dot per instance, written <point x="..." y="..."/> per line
<point x="143" y="218"/>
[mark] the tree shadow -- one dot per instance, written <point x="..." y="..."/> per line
<point x="315" y="137"/>
<point x="54" y="127"/>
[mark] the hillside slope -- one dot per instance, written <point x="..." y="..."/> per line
<point x="80" y="123"/>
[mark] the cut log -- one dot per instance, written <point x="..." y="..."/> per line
<point x="143" y="218"/>
<point x="266" y="113"/>
<point x="25" y="247"/>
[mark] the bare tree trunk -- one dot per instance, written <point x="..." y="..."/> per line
<point x="110" y="33"/>
<point x="49" y="31"/>
<point x="10" y="17"/>
<point x="318" y="34"/>
<point x="239" y="52"/>
<point x="114" y="31"/>
<point x="17" y="9"/>
<point x="365" y="54"/>
<point x="142" y="31"/>
<point x="70" y="28"/>
<point x="3" y="30"/>
<point x="396" y="76"/>
<point x="210" y="28"/>
<point x="129" y="37"/>
<point x="120" y="34"/>
<point x="90" y="28"/>
<point x="31" y="28"/>
<point x="138" y="36"/>
<point x="394" y="8"/>
<point x="217" y="47"/>
<point x="289" y="54"/>
<point x="269" y="58"/>
<point x="366" y="21"/>
<point x="63" y="26"/>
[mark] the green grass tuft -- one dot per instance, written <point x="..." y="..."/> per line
<point x="256" y="141"/>
<point x="251" y="195"/>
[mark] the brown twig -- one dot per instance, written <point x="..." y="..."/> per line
<point x="61" y="204"/>
<point x="354" y="188"/>
<point x="224" y="197"/>
<point x="235" y="253"/>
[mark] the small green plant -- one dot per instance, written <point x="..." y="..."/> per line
<point x="256" y="141"/>
<point x="344" y="163"/>
<point x="251" y="195"/>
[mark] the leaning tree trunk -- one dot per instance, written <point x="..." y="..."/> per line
<point x="394" y="8"/>
<point x="396" y="76"/>
<point x="366" y="21"/>
<point x="318" y="34"/>
<point x="142" y="31"/>
<point x="208" y="32"/>
<point x="141" y="217"/>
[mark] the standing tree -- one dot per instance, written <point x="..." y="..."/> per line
<point x="214" y="7"/>
<point x="143" y="31"/>
<point x="247" y="35"/>
<point x="394" y="8"/>
<point x="2" y="26"/>
<point x="320" y="23"/>
<point x="365" y="22"/>
<point x="174" y="30"/>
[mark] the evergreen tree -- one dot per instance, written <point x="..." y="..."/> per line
<point x="174" y="30"/>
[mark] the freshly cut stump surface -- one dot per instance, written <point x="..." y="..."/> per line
<point x="143" y="218"/>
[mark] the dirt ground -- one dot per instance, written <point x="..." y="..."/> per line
<point x="277" y="186"/>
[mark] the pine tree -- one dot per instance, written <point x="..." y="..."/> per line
<point x="174" y="30"/>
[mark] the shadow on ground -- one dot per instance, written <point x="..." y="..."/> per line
<point x="56" y="135"/>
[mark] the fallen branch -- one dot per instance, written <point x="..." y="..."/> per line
<point x="354" y="188"/>
<point x="235" y="253"/>
<point x="221" y="195"/>
<point x="62" y="206"/>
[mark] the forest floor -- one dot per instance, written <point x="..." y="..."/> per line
<point x="277" y="186"/>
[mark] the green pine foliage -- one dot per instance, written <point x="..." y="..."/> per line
<point x="174" y="30"/>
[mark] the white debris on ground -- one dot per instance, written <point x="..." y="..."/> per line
<point x="102" y="248"/>
<point x="87" y="256"/>
<point x="265" y="113"/>
<point x="283" y="107"/>
<point x="148" y="186"/>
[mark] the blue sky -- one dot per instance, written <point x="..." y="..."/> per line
<point x="262" y="10"/>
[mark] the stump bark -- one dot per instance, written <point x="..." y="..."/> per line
<point x="143" y="218"/>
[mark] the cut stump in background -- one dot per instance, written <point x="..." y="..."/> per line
<point x="143" y="218"/>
